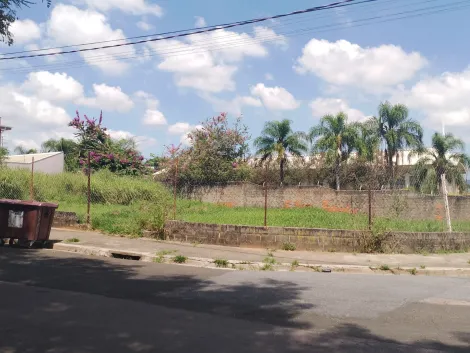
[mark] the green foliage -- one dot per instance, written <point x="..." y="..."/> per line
<point x="72" y="240"/>
<point x="295" y="263"/>
<point x="289" y="246"/>
<point x="385" y="267"/>
<point x="413" y="271"/>
<point x="337" y="139"/>
<point x="68" y="147"/>
<point x="24" y="150"/>
<point x="446" y="157"/>
<point x="277" y="141"/>
<point x="180" y="259"/>
<point x="221" y="263"/>
<point x="270" y="260"/>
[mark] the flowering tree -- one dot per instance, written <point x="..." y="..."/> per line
<point x="105" y="153"/>
<point x="215" y="154"/>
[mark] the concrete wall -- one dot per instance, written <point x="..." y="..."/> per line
<point x="50" y="165"/>
<point x="403" y="205"/>
<point x="315" y="239"/>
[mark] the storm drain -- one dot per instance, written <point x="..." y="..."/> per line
<point x="117" y="255"/>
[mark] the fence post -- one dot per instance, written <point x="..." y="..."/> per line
<point x="265" y="185"/>
<point x="370" y="207"/>
<point x="88" y="190"/>
<point x="446" y="202"/>
<point x="31" y="184"/>
<point x="174" y="188"/>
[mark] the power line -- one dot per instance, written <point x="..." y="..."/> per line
<point x="337" y="4"/>
<point x="298" y="32"/>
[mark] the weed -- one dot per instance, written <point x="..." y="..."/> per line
<point x="72" y="240"/>
<point x="271" y="253"/>
<point x="159" y="259"/>
<point x="289" y="247"/>
<point x="423" y="267"/>
<point x="180" y="259"/>
<point x="165" y="252"/>
<point x="469" y="262"/>
<point x="413" y="271"/>
<point x="267" y="267"/>
<point x="221" y="263"/>
<point x="245" y="263"/>
<point x="269" y="260"/>
<point x="384" y="268"/>
<point x="295" y="263"/>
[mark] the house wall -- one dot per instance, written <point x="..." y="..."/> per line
<point x="50" y="165"/>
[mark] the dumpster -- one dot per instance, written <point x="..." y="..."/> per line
<point x="27" y="222"/>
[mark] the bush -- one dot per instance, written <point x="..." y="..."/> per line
<point x="180" y="259"/>
<point x="289" y="246"/>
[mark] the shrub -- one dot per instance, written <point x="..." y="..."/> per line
<point x="180" y="259"/>
<point x="289" y="246"/>
<point x="221" y="263"/>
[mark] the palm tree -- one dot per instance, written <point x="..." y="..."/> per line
<point x="277" y="138"/>
<point x="368" y="142"/>
<point x="24" y="150"/>
<point x="61" y="145"/>
<point x="446" y="157"/>
<point x="335" y="137"/>
<point x="397" y="131"/>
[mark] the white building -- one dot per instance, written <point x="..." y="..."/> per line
<point x="49" y="163"/>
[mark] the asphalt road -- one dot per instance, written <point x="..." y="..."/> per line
<point x="60" y="302"/>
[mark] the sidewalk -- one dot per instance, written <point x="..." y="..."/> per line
<point x="100" y="244"/>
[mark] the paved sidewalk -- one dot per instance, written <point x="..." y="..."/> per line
<point x="152" y="247"/>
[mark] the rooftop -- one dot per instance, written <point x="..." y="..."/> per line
<point x="28" y="158"/>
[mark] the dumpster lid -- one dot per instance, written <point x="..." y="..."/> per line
<point x="28" y="203"/>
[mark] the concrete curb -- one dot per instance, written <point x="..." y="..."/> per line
<point x="258" y="266"/>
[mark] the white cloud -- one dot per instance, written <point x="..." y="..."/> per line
<point x="152" y="115"/>
<point x="345" y="64"/>
<point x="234" y="106"/>
<point x="275" y="98"/>
<point x="69" y="25"/>
<point x="443" y="98"/>
<point x="324" y="106"/>
<point x="203" y="68"/>
<point x="25" y="31"/>
<point x="179" y="128"/>
<point x="269" y="77"/>
<point x="135" y="7"/>
<point x="145" y="26"/>
<point x="53" y="86"/>
<point x="268" y="35"/>
<point x="108" y="98"/>
<point x="200" y="21"/>
<point x="141" y="141"/>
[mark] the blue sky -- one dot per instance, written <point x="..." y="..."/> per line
<point x="298" y="68"/>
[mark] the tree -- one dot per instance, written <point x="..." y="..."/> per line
<point x="24" y="150"/>
<point x="397" y="131"/>
<point x="335" y="137"/>
<point x="119" y="156"/>
<point x="445" y="157"/>
<point x="8" y="10"/>
<point x="215" y="153"/>
<point x="68" y="147"/>
<point x="3" y="155"/>
<point x="278" y="140"/>
<point x="367" y="143"/>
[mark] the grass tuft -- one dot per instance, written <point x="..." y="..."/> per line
<point x="289" y="246"/>
<point x="384" y="268"/>
<point x="180" y="259"/>
<point x="221" y="263"/>
<point x="72" y="240"/>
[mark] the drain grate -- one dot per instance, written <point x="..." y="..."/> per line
<point x="117" y="255"/>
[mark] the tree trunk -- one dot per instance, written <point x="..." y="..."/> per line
<point x="337" y="169"/>
<point x="281" y="170"/>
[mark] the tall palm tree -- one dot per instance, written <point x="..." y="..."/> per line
<point x="24" y="150"/>
<point x="445" y="157"/>
<point x="61" y="145"/>
<point x="335" y="137"/>
<point x="368" y="142"/>
<point x="278" y="139"/>
<point x="396" y="131"/>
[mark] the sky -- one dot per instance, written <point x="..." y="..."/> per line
<point x="298" y="68"/>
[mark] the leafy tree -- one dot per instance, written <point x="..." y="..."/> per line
<point x="3" y="155"/>
<point x="278" y="140"/>
<point x="119" y="156"/>
<point x="215" y="154"/>
<point x="397" y="131"/>
<point x="24" y="150"/>
<point x="8" y="10"/>
<point x="337" y="138"/>
<point x="445" y="157"/>
<point x="68" y="147"/>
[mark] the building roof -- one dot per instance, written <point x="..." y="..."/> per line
<point x="28" y="158"/>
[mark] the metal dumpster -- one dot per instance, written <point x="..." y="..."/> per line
<point x="27" y="222"/>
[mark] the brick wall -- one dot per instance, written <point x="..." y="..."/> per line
<point x="399" y="204"/>
<point x="313" y="239"/>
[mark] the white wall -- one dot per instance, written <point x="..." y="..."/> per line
<point x="50" y="165"/>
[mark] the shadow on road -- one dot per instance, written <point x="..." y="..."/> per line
<point x="112" y="306"/>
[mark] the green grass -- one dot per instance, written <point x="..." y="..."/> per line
<point x="221" y="263"/>
<point x="385" y="268"/>
<point x="289" y="246"/>
<point x="413" y="271"/>
<point x="72" y="240"/>
<point x="195" y="211"/>
<point x="180" y="259"/>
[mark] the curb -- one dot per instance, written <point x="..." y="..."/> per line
<point x="258" y="266"/>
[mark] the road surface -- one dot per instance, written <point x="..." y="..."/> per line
<point x="59" y="302"/>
